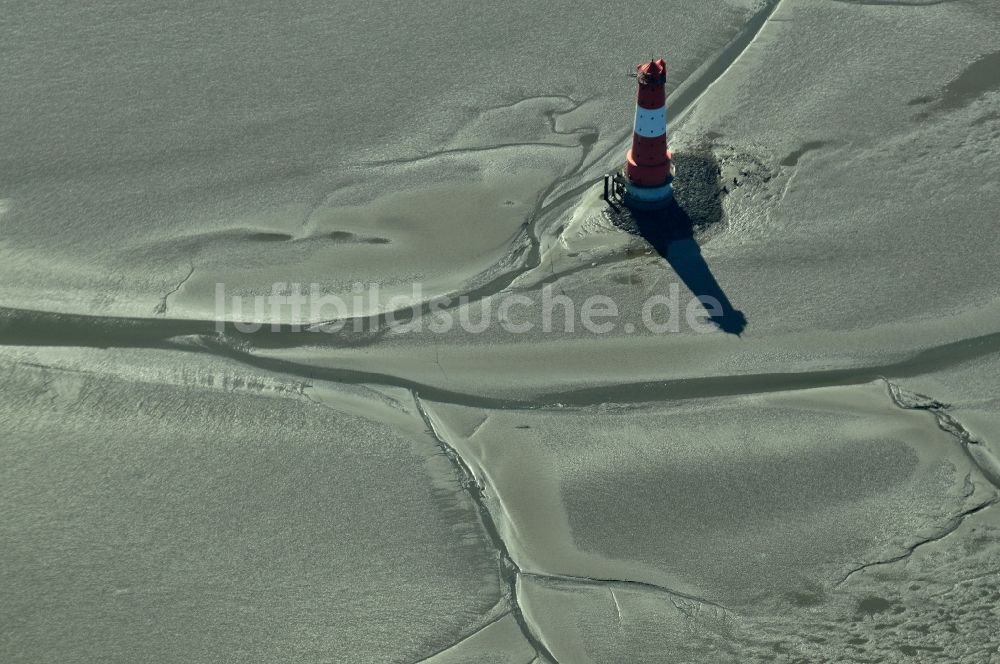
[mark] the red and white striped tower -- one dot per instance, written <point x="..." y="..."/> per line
<point x="649" y="169"/>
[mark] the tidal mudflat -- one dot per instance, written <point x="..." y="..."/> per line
<point x="232" y="429"/>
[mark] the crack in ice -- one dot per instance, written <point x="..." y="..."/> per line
<point x="618" y="608"/>
<point x="947" y="423"/>
<point x="161" y="308"/>
<point x="508" y="569"/>
<point x="465" y="638"/>
<point x="627" y="583"/>
<point x="907" y="400"/>
<point x="954" y="523"/>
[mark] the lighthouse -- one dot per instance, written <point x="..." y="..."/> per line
<point x="649" y="171"/>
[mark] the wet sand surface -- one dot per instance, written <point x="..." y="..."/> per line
<point x="815" y="479"/>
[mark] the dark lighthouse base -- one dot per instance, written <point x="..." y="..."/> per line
<point x="619" y="189"/>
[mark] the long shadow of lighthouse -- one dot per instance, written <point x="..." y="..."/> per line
<point x="671" y="232"/>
